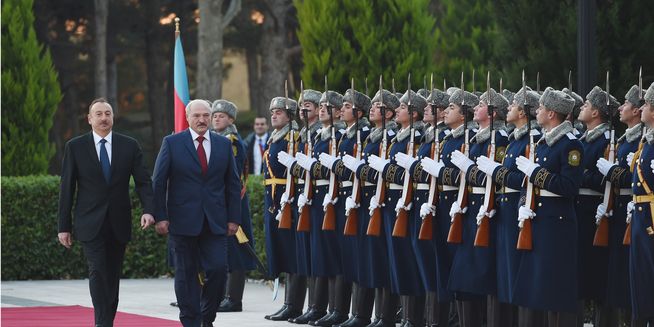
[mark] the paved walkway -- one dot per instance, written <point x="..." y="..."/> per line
<point x="149" y="297"/>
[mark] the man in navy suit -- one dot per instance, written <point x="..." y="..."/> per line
<point x="197" y="201"/>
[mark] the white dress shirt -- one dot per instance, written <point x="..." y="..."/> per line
<point x="206" y="144"/>
<point x="257" y="155"/>
<point x="96" y="140"/>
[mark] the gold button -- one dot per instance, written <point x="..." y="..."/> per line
<point x="632" y="184"/>
<point x="317" y="191"/>
<point x="561" y="217"/>
<point x="367" y="194"/>
<point x="417" y="199"/>
<point x="540" y="204"/>
<point x="446" y="197"/>
<point x="640" y="208"/>
<point x="389" y="199"/>
<point x="473" y="203"/>
<point x="545" y="159"/>
<point x="638" y="184"/>
<point x="537" y="159"/>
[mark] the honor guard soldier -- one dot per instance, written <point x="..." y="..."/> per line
<point x="309" y="103"/>
<point x="223" y="115"/>
<point x="423" y="205"/>
<point x="280" y="243"/>
<point x="374" y="270"/>
<point x="641" y="215"/>
<point x="592" y="260"/>
<point x="356" y="106"/>
<point x="473" y="275"/>
<point x="405" y="278"/>
<point x="573" y="117"/>
<point x="325" y="255"/>
<point x="458" y="118"/>
<point x="509" y="179"/>
<point x="617" y="297"/>
<point x="546" y="279"/>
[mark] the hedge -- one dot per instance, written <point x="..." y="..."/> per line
<point x="30" y="249"/>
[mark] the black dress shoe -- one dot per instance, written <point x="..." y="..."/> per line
<point x="356" y="321"/>
<point x="230" y="306"/>
<point x="286" y="314"/>
<point x="311" y="315"/>
<point x="375" y="323"/>
<point x="278" y="311"/>
<point x="329" y="320"/>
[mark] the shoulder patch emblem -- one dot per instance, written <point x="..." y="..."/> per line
<point x="574" y="158"/>
<point x="500" y="152"/>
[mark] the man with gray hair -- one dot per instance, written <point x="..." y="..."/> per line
<point x="197" y="202"/>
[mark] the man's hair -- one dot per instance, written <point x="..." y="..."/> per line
<point x="100" y="100"/>
<point x="261" y="117"/>
<point x="202" y="102"/>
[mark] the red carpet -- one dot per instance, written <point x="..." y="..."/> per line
<point x="73" y="316"/>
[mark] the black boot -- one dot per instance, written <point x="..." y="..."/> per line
<point x="329" y="320"/>
<point x="362" y="305"/>
<point x="290" y="310"/>
<point x="229" y="305"/>
<point x="319" y="302"/>
<point x="311" y="315"/>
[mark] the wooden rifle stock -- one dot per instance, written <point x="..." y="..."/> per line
<point x="352" y="221"/>
<point x="455" y="235"/>
<point x="286" y="219"/>
<point x="329" y="221"/>
<point x="304" y="221"/>
<point x="374" y="226"/>
<point x="525" y="241"/>
<point x="402" y="221"/>
<point x="426" y="228"/>
<point x="602" y="232"/>
<point x="482" y="238"/>
<point x="626" y="240"/>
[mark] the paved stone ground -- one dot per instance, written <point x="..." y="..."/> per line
<point x="149" y="297"/>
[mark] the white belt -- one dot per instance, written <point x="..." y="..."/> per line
<point x="300" y="181"/>
<point x="322" y="182"/>
<point x="506" y="190"/>
<point x="346" y="184"/>
<point x="626" y="191"/>
<point x="365" y="184"/>
<point x="422" y="186"/>
<point x="393" y="186"/>
<point x="478" y="190"/>
<point x="546" y="193"/>
<point x="449" y="188"/>
<point x="587" y="191"/>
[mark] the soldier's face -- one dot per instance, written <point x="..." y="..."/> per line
<point x="101" y="118"/>
<point x="481" y="113"/>
<point x="543" y="116"/>
<point x="647" y="114"/>
<point x="199" y="118"/>
<point x="428" y="116"/>
<point x="586" y="112"/>
<point x="375" y="113"/>
<point x="278" y="118"/>
<point x="347" y="113"/>
<point x="402" y="114"/>
<point x="628" y="112"/>
<point x="220" y="121"/>
<point x="514" y="114"/>
<point x="312" y="110"/>
<point x="323" y="113"/>
<point x="454" y="117"/>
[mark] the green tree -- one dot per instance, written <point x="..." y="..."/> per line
<point x="30" y="93"/>
<point x="363" y="39"/>
<point x="466" y="36"/>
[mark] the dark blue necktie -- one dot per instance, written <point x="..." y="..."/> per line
<point x="104" y="161"/>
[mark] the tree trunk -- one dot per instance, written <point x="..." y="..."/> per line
<point x="254" y="80"/>
<point x="101" y="11"/>
<point x="274" y="64"/>
<point x="157" y="73"/>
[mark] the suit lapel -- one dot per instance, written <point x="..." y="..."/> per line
<point x="213" y="138"/>
<point x="115" y="153"/>
<point x="188" y="143"/>
<point x="93" y="155"/>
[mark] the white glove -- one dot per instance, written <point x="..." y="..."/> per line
<point x="630" y="158"/>
<point x="486" y="165"/>
<point x="285" y="198"/>
<point x="651" y="165"/>
<point x="285" y="159"/>
<point x="327" y="160"/>
<point x="404" y="160"/>
<point x="399" y="206"/>
<point x="327" y="201"/>
<point x="601" y="212"/>
<point x="526" y="166"/>
<point x="460" y="160"/>
<point x="349" y="205"/>
<point x="377" y="163"/>
<point x="631" y="206"/>
<point x="426" y="209"/>
<point x="302" y="201"/>
<point x="304" y="161"/>
<point x="455" y="209"/>
<point x="432" y="167"/>
<point x="483" y="213"/>
<point x="352" y="163"/>
<point x="604" y="166"/>
<point x="524" y="213"/>
<point x="374" y="204"/>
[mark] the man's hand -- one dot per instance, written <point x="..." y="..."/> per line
<point x="147" y="220"/>
<point x="65" y="239"/>
<point x="232" y="228"/>
<point x="161" y="227"/>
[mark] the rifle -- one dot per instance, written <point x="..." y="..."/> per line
<point x="401" y="223"/>
<point x="374" y="226"/>
<point x="455" y="234"/>
<point x="483" y="230"/>
<point x="329" y="221"/>
<point x="286" y="214"/>
<point x="426" y="228"/>
<point x="304" y="221"/>
<point x="525" y="241"/>
<point x="602" y="232"/>
<point x="352" y="216"/>
<point x="626" y="240"/>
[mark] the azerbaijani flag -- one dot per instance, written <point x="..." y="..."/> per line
<point x="181" y="86"/>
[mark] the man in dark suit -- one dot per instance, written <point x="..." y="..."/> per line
<point x="96" y="171"/>
<point x="257" y="144"/>
<point x="197" y="199"/>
